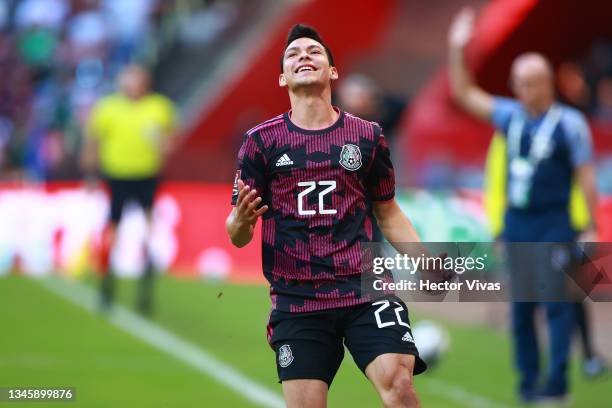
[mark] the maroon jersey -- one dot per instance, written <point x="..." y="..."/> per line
<point x="319" y="186"/>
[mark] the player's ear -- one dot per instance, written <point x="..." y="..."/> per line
<point x="333" y="73"/>
<point x="282" y="81"/>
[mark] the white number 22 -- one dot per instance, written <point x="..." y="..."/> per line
<point x="311" y="185"/>
<point x="385" y="304"/>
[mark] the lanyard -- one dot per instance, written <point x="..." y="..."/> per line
<point x="540" y="145"/>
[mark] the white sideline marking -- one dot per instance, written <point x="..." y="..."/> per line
<point x="459" y="395"/>
<point x="167" y="342"/>
<point x="204" y="362"/>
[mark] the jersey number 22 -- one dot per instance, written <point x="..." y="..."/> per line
<point x="311" y="185"/>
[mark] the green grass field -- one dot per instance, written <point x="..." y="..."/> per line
<point x="47" y="341"/>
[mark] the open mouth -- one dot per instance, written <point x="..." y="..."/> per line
<point x="305" y="68"/>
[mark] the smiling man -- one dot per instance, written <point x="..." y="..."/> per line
<point x="320" y="178"/>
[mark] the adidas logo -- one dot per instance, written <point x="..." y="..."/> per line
<point x="407" y="337"/>
<point x="284" y="161"/>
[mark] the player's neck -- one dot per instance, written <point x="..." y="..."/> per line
<point x="312" y="111"/>
<point x="540" y="109"/>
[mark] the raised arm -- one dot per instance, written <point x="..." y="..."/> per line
<point x="463" y="88"/>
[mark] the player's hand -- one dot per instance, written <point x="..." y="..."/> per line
<point x="247" y="211"/>
<point x="461" y="28"/>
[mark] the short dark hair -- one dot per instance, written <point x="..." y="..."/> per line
<point x="304" y="31"/>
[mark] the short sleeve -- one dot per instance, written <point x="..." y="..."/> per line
<point x="579" y="139"/>
<point x="251" y="167"/>
<point x="381" y="176"/>
<point x="503" y="110"/>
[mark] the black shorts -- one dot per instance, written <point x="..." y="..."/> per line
<point x="141" y="191"/>
<point x="311" y="345"/>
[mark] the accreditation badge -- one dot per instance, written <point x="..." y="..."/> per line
<point x="520" y="180"/>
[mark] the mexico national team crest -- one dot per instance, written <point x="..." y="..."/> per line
<point x="350" y="157"/>
<point x="285" y="357"/>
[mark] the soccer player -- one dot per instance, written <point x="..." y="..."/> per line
<point x="128" y="137"/>
<point x="320" y="178"/>
<point x="549" y="145"/>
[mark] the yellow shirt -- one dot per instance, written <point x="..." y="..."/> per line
<point x="495" y="191"/>
<point x="130" y="132"/>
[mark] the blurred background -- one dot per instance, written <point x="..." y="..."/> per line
<point x="218" y="61"/>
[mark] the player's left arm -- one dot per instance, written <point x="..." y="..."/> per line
<point x="401" y="234"/>
<point x="393" y="223"/>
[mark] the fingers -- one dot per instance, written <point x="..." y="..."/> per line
<point x="254" y="203"/>
<point x="462" y="27"/>
<point x="247" y="203"/>
<point x="247" y="200"/>
<point x="259" y="213"/>
<point x="242" y="191"/>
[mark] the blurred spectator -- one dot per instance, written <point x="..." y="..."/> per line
<point x="56" y="58"/>
<point x="206" y="21"/>
<point x="572" y="86"/>
<point x="87" y="34"/>
<point x="584" y="83"/>
<point x="360" y="95"/>
<point x="48" y="14"/>
<point x="131" y="23"/>
<point x="603" y="108"/>
<point x="4" y="14"/>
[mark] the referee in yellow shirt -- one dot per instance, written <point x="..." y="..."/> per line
<point x="127" y="139"/>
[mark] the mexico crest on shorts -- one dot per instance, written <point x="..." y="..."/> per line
<point x="350" y="157"/>
<point x="285" y="357"/>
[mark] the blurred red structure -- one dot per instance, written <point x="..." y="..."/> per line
<point x="434" y="127"/>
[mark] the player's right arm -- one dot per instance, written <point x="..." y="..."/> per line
<point x="463" y="87"/>
<point x="249" y="188"/>
<point x="240" y="223"/>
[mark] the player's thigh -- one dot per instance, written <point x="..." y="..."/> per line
<point x="308" y="346"/>
<point x="305" y="393"/>
<point x="379" y="328"/>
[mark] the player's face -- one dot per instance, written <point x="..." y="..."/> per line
<point x="305" y="63"/>
<point x="533" y="85"/>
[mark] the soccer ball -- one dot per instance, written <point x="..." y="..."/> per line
<point x="432" y="341"/>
